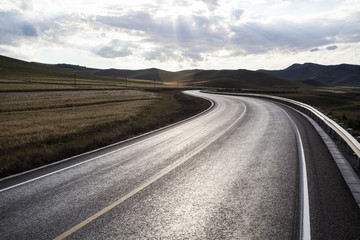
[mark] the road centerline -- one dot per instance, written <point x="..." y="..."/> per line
<point x="150" y="181"/>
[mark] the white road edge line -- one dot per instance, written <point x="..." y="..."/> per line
<point x="150" y="181"/>
<point x="305" y="231"/>
<point x="108" y="153"/>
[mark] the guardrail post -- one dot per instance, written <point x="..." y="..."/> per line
<point x="327" y="129"/>
<point x="349" y="150"/>
<point x="332" y="132"/>
<point x="338" y="138"/>
<point x="334" y="136"/>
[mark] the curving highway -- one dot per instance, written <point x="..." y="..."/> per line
<point x="230" y="173"/>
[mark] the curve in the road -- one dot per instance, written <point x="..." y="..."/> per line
<point x="231" y="173"/>
<point x="305" y="231"/>
<point x="150" y="181"/>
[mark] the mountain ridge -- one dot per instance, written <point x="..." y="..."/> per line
<point x="295" y="76"/>
<point x="338" y="75"/>
<point x="241" y="79"/>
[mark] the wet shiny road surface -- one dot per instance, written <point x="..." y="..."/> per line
<point x="231" y="173"/>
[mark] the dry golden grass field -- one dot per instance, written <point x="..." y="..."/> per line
<point x="32" y="117"/>
<point x="44" y="120"/>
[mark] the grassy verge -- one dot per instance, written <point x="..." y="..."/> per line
<point x="40" y="127"/>
<point x="340" y="102"/>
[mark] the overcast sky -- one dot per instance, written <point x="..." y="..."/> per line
<point x="175" y="35"/>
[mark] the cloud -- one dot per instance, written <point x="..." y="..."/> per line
<point x="169" y="54"/>
<point x="330" y="48"/>
<point x="194" y="35"/>
<point x="163" y="55"/>
<point x="183" y="31"/>
<point x="13" y="28"/>
<point x="17" y="28"/>
<point x="237" y="14"/>
<point x="29" y="30"/>
<point x="194" y="55"/>
<point x="114" y="49"/>
<point x="261" y="37"/>
<point x="155" y="55"/>
<point x="211" y="4"/>
<point x="134" y="20"/>
<point x="24" y="5"/>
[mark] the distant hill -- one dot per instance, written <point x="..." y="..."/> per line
<point x="75" y="68"/>
<point x="339" y="75"/>
<point x="144" y="74"/>
<point x="207" y="78"/>
<point x="242" y="79"/>
<point x="10" y="67"/>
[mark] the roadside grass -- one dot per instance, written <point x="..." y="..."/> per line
<point x="25" y="101"/>
<point x="341" y="103"/>
<point x="47" y="125"/>
<point x="34" y="124"/>
<point x="43" y="84"/>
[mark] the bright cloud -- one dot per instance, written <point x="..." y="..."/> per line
<point x="174" y="35"/>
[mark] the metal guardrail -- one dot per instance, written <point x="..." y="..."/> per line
<point x="331" y="127"/>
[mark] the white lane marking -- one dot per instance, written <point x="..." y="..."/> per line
<point x="305" y="231"/>
<point x="150" y="181"/>
<point x="100" y="156"/>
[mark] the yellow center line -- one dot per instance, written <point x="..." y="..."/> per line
<point x="152" y="180"/>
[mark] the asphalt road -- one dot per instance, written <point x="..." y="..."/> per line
<point x="230" y="173"/>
